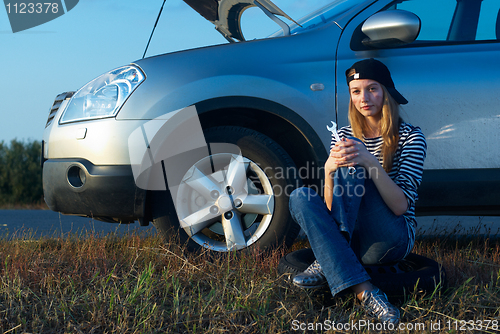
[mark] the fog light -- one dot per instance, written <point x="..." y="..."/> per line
<point x="45" y="146"/>
<point x="76" y="176"/>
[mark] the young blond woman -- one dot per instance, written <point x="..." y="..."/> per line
<point x="371" y="181"/>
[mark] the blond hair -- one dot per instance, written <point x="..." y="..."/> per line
<point x="389" y="127"/>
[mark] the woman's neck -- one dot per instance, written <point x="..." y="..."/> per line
<point x="372" y="128"/>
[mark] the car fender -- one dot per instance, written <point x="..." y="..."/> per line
<point x="223" y="86"/>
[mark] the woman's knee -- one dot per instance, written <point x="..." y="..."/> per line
<point x="301" y="196"/>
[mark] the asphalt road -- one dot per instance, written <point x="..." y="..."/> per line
<point x="38" y="223"/>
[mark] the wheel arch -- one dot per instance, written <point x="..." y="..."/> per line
<point x="272" y="119"/>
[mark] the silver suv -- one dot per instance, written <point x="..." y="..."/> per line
<point x="209" y="142"/>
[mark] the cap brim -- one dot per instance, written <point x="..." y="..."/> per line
<point x="397" y="96"/>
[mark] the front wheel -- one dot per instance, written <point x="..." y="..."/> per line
<point x="230" y="201"/>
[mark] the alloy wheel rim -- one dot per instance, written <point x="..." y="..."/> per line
<point x="226" y="209"/>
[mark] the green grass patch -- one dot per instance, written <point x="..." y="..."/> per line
<point x="142" y="284"/>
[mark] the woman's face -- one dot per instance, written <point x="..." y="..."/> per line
<point x="367" y="96"/>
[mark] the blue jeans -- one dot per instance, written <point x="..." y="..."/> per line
<point x="360" y="228"/>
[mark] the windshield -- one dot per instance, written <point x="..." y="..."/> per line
<point x="321" y="16"/>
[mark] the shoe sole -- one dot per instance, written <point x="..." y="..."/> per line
<point x="309" y="286"/>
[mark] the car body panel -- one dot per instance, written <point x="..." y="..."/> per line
<point x="121" y="201"/>
<point x="457" y="138"/>
<point x="246" y="73"/>
<point x="101" y="143"/>
<point x="299" y="80"/>
<point x="458" y="117"/>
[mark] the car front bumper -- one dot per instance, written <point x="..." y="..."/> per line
<point x="76" y="186"/>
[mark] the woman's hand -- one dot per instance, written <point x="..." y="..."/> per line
<point x="349" y="153"/>
<point x="341" y="155"/>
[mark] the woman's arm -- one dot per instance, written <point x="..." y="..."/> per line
<point x="330" y="168"/>
<point x="391" y="193"/>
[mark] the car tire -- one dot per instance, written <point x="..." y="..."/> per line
<point x="270" y="174"/>
<point x="398" y="280"/>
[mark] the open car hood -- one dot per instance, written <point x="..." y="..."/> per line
<point x="226" y="14"/>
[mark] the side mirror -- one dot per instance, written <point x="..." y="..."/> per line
<point x="391" y="28"/>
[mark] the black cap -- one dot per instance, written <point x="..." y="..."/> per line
<point x="375" y="70"/>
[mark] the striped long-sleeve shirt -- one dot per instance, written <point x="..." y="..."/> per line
<point x="407" y="166"/>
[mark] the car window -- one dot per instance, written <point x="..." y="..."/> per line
<point x="455" y="20"/>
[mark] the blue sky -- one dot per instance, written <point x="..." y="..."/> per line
<point x="94" y="37"/>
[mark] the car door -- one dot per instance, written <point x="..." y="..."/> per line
<point x="450" y="76"/>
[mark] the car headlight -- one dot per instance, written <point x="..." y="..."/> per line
<point x="103" y="96"/>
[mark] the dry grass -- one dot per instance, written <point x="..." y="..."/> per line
<point x="20" y="206"/>
<point x="132" y="284"/>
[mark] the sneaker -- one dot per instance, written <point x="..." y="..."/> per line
<point x="376" y="305"/>
<point x="311" y="278"/>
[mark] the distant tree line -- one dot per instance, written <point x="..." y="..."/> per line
<point x="20" y="173"/>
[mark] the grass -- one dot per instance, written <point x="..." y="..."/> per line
<point x="142" y="284"/>
<point x="24" y="206"/>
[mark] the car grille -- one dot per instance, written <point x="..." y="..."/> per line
<point x="57" y="103"/>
